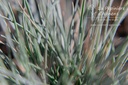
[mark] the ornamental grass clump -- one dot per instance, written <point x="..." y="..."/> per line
<point x="42" y="49"/>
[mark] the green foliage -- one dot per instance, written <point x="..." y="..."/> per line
<point x="43" y="54"/>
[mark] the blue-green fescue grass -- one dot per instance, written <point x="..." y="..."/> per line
<point x="42" y="55"/>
